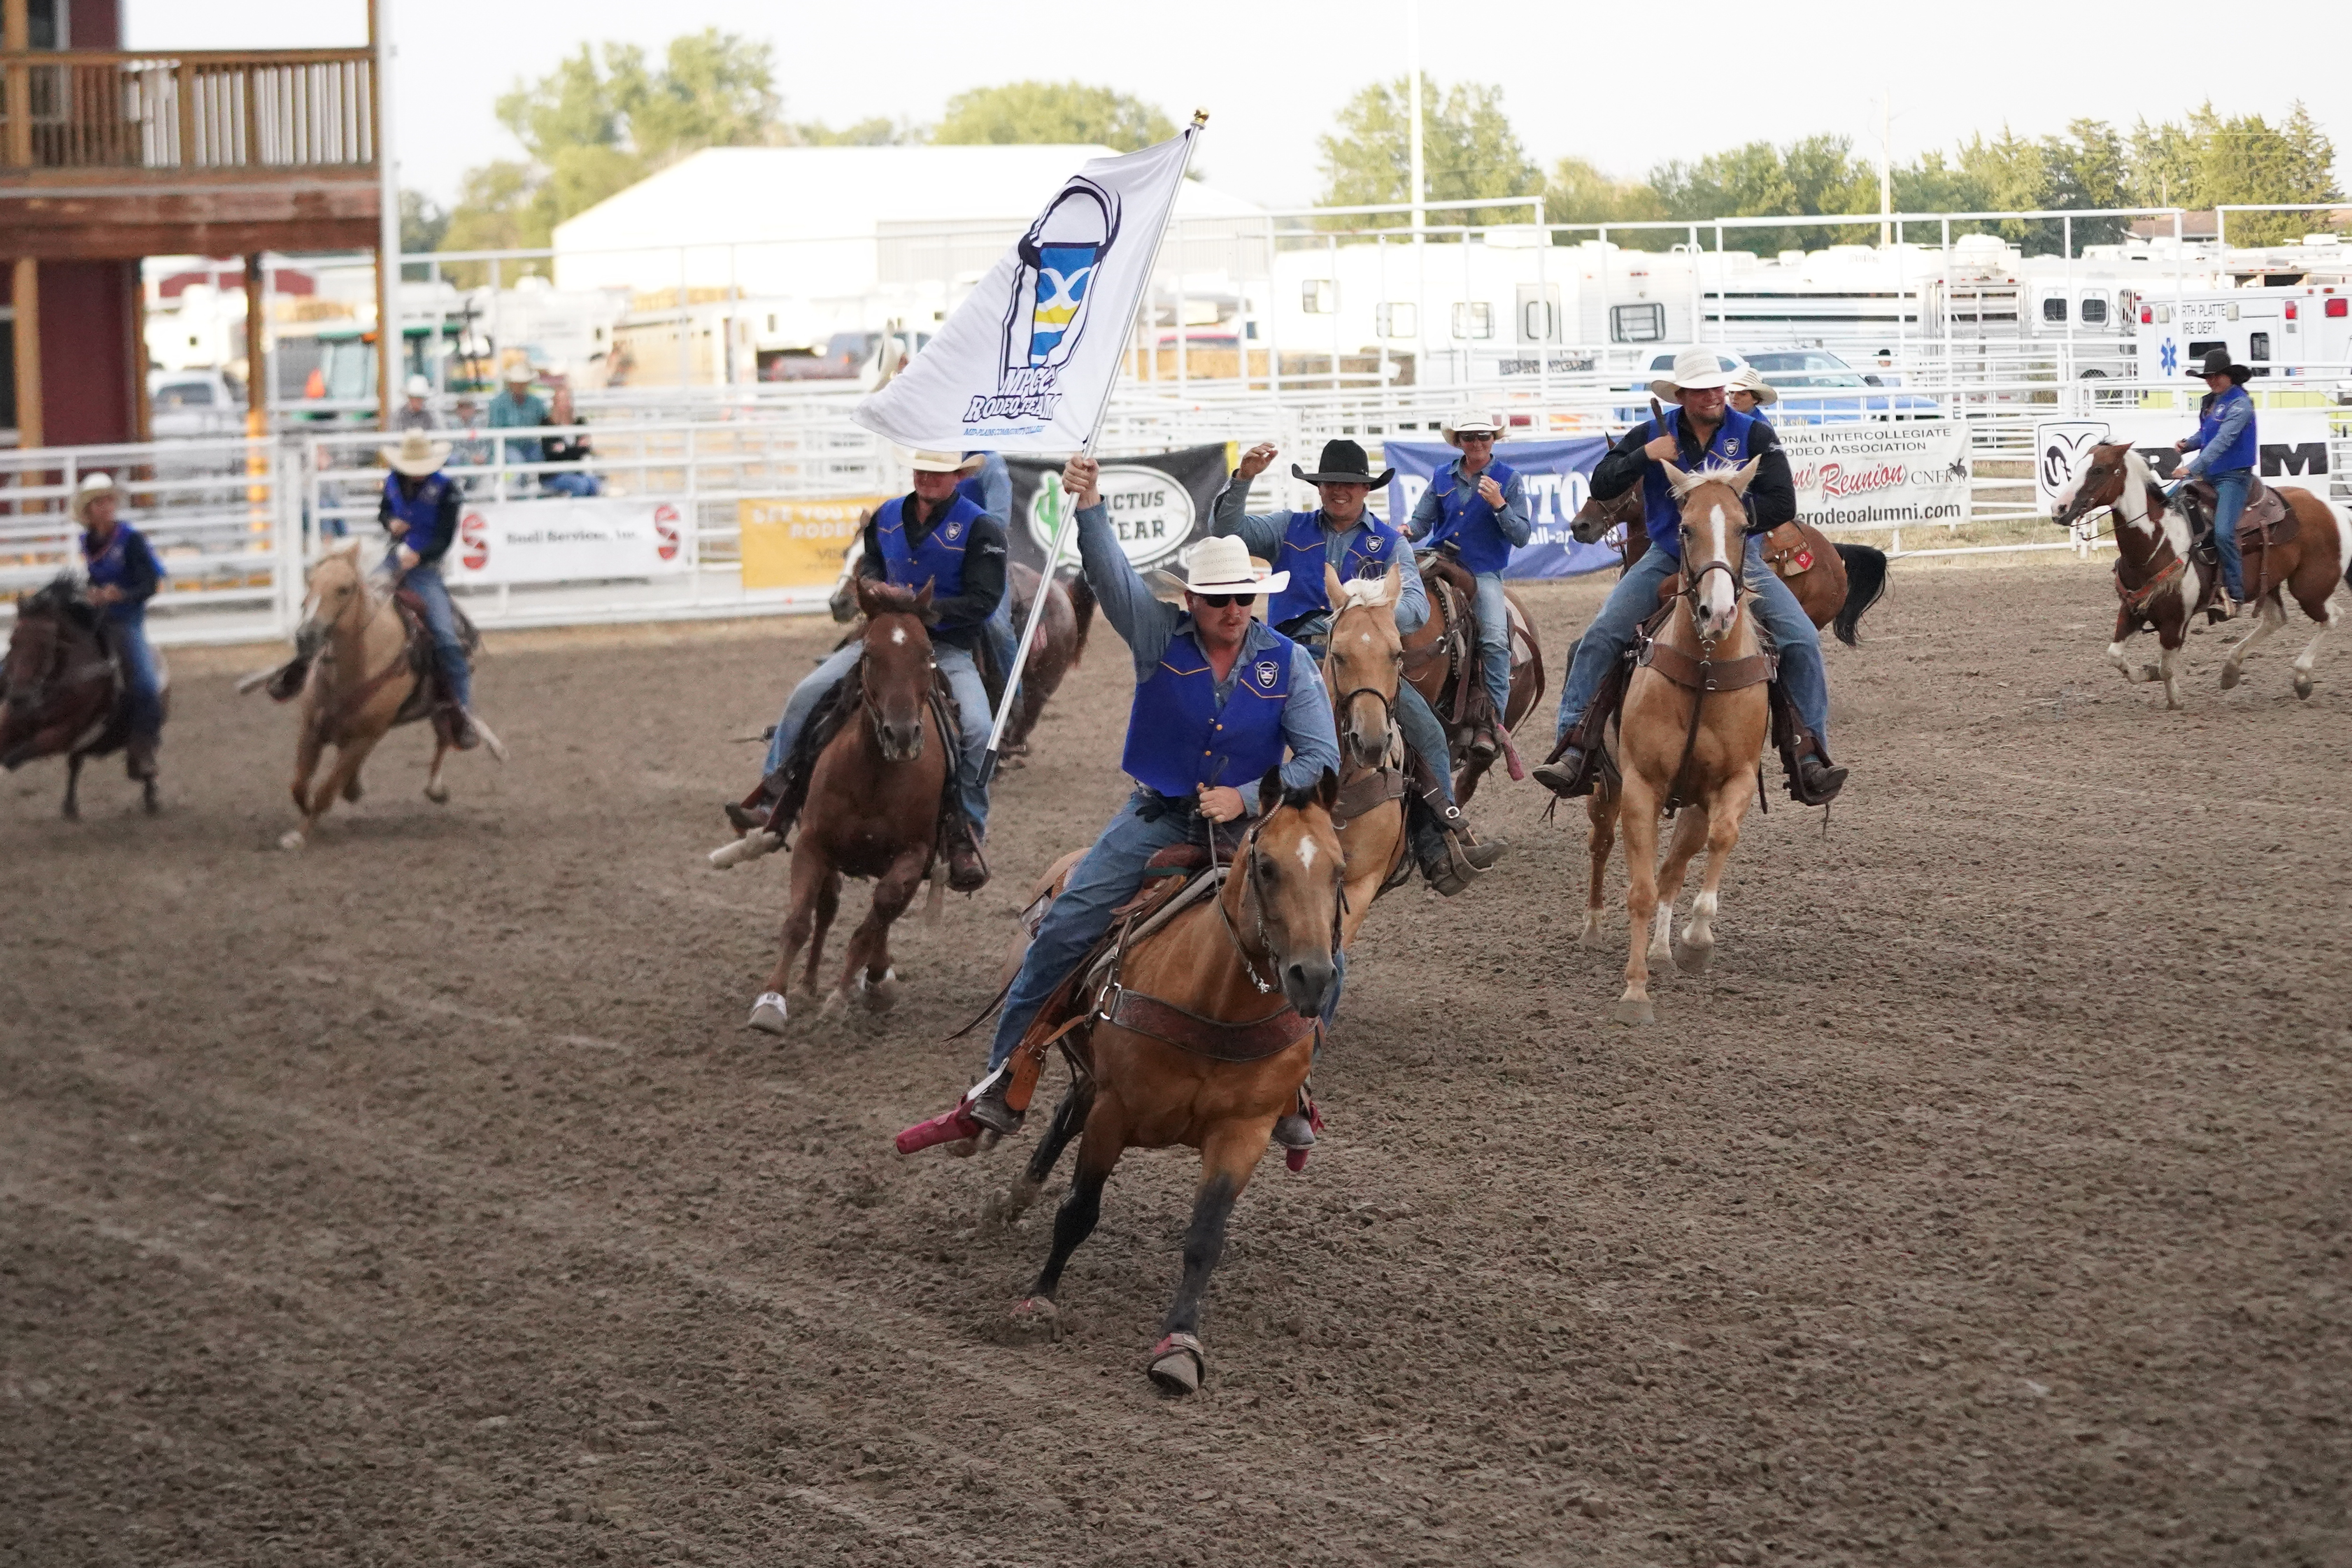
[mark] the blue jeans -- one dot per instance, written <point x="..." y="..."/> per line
<point x="1495" y="641"/>
<point x="441" y="621"/>
<point x="141" y="678"/>
<point x="1099" y="884"/>
<point x="972" y="701"/>
<point x="1634" y="599"/>
<point x="1001" y="634"/>
<point x="2229" y="505"/>
<point x="571" y="484"/>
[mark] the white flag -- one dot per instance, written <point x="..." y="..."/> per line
<point x="1026" y="364"/>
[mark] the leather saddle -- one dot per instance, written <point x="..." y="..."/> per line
<point x="2267" y="520"/>
<point x="1787" y="552"/>
<point x="431" y="692"/>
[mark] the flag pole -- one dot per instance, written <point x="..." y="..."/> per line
<point x="1063" y="514"/>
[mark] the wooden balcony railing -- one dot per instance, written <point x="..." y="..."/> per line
<point x="192" y="111"/>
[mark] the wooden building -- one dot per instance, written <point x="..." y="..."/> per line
<point x="109" y="155"/>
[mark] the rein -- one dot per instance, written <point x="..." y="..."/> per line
<point x="1705" y="675"/>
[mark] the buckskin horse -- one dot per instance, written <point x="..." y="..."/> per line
<point x="2162" y="581"/>
<point x="874" y="795"/>
<point x="1441" y="659"/>
<point x="362" y="668"/>
<point x="1835" y="582"/>
<point x="1199" y="1033"/>
<point x="1691" y="733"/>
<point x="64" y="694"/>
<point x="1363" y="663"/>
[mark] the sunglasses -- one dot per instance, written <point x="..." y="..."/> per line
<point x="1219" y="601"/>
<point x="1485" y="435"/>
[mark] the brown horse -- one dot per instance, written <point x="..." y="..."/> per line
<point x="1690" y="735"/>
<point x="365" y="674"/>
<point x="1363" y="664"/>
<point x="62" y="690"/>
<point x="1441" y="660"/>
<point x="1833" y="583"/>
<point x="2161" y="581"/>
<point x="1152" y="1076"/>
<point x="871" y="810"/>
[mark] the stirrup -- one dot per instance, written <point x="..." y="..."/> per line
<point x="1570" y="774"/>
<point x="985" y="1103"/>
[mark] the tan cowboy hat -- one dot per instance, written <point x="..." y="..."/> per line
<point x="1747" y="378"/>
<point x="1695" y="370"/>
<point x="1224" y="565"/>
<point x="92" y="486"/>
<point x="943" y="463"/>
<point x="520" y="372"/>
<point x="417" y="455"/>
<point x="1471" y="424"/>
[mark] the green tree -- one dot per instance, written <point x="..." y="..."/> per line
<point x="1817" y="175"/>
<point x="1578" y="192"/>
<point x="2207" y="159"/>
<point x="1051" y="111"/>
<point x="1468" y="151"/>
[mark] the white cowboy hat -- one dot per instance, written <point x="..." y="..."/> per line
<point x="415" y="456"/>
<point x="520" y="372"/>
<point x="1470" y="424"/>
<point x="418" y="387"/>
<point x="1225" y="566"/>
<point x="1747" y="378"/>
<point x="942" y="463"/>
<point x="92" y="486"/>
<point x="1695" y="370"/>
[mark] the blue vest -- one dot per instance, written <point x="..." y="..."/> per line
<point x="1468" y="521"/>
<point x="2242" y="453"/>
<point x="1659" y="514"/>
<point x="1179" y="736"/>
<point x="110" y="568"/>
<point x="421" y="512"/>
<point x="938" y="559"/>
<point x="1302" y="555"/>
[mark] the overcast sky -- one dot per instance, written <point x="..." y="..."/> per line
<point x="1625" y="85"/>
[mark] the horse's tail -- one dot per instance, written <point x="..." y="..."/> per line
<point x="1082" y="602"/>
<point x="1866" y="584"/>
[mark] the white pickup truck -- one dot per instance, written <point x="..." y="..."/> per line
<point x="191" y="403"/>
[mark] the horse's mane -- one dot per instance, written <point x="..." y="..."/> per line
<point x="63" y="596"/>
<point x="891" y="599"/>
<point x="1365" y="593"/>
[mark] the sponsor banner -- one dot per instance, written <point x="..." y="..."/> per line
<point x="1879" y="475"/>
<point x="1557" y="477"/>
<point x="1026" y="363"/>
<point x="799" y="543"/>
<point x="574" y="539"/>
<point x="1159" y="504"/>
<point x="2293" y="443"/>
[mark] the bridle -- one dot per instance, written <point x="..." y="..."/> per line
<point x="1253" y="892"/>
<point x="873" y="711"/>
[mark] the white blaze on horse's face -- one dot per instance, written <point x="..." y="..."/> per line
<point x="1717" y="605"/>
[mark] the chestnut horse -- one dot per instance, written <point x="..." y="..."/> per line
<point x="1840" y="586"/>
<point x="2161" y="581"/>
<point x="1442" y="660"/>
<point x="363" y="679"/>
<point x="1691" y="733"/>
<point x="1363" y="664"/>
<point x="60" y="692"/>
<point x="1271" y="927"/>
<point x="871" y="810"/>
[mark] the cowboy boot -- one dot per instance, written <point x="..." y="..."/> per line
<point x="986" y="1104"/>
<point x="967" y="871"/>
<point x="287" y="683"/>
<point x="1295" y="1129"/>
<point x="1440" y="855"/>
<point x="462" y="733"/>
<point x="1482" y="853"/>
<point x="1812" y="780"/>
<point x="139" y="757"/>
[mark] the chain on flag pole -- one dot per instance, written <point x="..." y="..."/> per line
<point x="1062" y="515"/>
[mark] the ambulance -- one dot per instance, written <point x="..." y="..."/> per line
<point x="2285" y="326"/>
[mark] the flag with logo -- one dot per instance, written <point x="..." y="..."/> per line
<point x="1026" y="364"/>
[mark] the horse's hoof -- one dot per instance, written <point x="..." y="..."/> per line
<point x="1633" y="1010"/>
<point x="836" y="1005"/>
<point x="2302" y="685"/>
<point x="1178" y="1364"/>
<point x="2229" y="676"/>
<point x="768" y="1015"/>
<point x="1036" y="1319"/>
<point x="1693" y="959"/>
<point x="352" y="791"/>
<point x="438" y="792"/>
<point x="882" y="995"/>
<point x="291" y="839"/>
<point x="1592" y="932"/>
<point x="2150" y="672"/>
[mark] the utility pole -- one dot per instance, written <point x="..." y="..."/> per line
<point x="1885" y="168"/>
<point x="390" y="345"/>
<point x="1412" y="95"/>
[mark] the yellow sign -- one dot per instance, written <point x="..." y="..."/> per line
<point x="798" y="544"/>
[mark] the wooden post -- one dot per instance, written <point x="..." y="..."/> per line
<point x="27" y="298"/>
<point x="16" y="38"/>
<point x="257" y="353"/>
<point x="142" y="405"/>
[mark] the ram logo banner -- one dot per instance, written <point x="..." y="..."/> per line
<point x="1026" y="363"/>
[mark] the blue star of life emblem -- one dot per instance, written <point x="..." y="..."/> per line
<point x="1267" y="671"/>
<point x="2169" y="356"/>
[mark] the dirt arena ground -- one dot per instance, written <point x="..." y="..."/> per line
<point x="421" y="1201"/>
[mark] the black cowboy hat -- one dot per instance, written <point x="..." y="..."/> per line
<point x="2217" y="362"/>
<point x="1343" y="463"/>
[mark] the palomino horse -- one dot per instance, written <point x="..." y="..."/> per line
<point x="1834" y="584"/>
<point x="1690" y="735"/>
<point x="871" y="810"/>
<point x="1188" y="1043"/>
<point x="1441" y="659"/>
<point x="2161" y="581"/>
<point x="63" y="692"/>
<point x="1363" y="666"/>
<point x="366" y="676"/>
